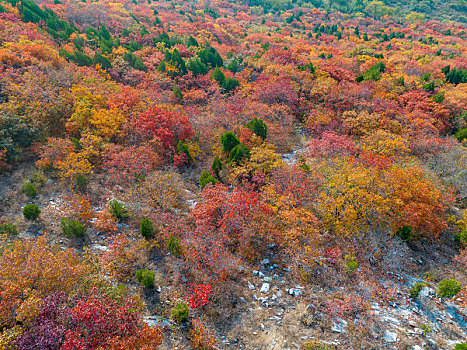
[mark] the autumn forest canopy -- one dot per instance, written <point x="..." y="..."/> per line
<point x="255" y="174"/>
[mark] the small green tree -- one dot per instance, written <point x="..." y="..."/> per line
<point x="216" y="166"/>
<point x="72" y="228"/>
<point x="29" y="189"/>
<point x="416" y="288"/>
<point x="146" y="228"/>
<point x="229" y="140"/>
<point x="118" y="210"/>
<point x="31" y="212"/>
<point x="448" y="288"/>
<point x="101" y="60"/>
<point x="351" y="263"/>
<point x="81" y="182"/>
<point x="206" y="178"/>
<point x="8" y="229"/>
<point x="258" y="127"/>
<point x="461" y="236"/>
<point x="230" y="84"/>
<point x="239" y="153"/>
<point x="233" y="66"/>
<point x="405" y="233"/>
<point x="174" y="246"/>
<point x="183" y="148"/>
<point x="177" y="92"/>
<point x="145" y="277"/>
<point x="180" y="312"/>
<point x="461" y="134"/>
<point x="218" y="76"/>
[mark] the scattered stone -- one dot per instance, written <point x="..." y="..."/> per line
<point x="339" y="325"/>
<point x="265" y="288"/>
<point x="295" y="292"/>
<point x="426" y="292"/>
<point x="390" y="337"/>
<point x="255" y="272"/>
<point x="267" y="279"/>
<point x="156" y="321"/>
<point x="251" y="286"/>
<point x="100" y="247"/>
<point x="265" y="261"/>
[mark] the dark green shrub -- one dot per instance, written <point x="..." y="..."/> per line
<point x="416" y="288"/>
<point x="239" y="153"/>
<point x="177" y="92"/>
<point x="37" y="178"/>
<point x="230" y="84"/>
<point x="405" y="233"/>
<point x="72" y="228"/>
<point x="145" y="277"/>
<point x="218" y="76"/>
<point x="461" y="134"/>
<point x="180" y="312"/>
<point x="461" y="236"/>
<point x="425" y="77"/>
<point x="183" y="148"/>
<point x="229" y="140"/>
<point x="216" y="166"/>
<point x="31" y="211"/>
<point x="375" y="72"/>
<point x="351" y="263"/>
<point x="8" y="229"/>
<point x="29" y="189"/>
<point x="210" y="57"/>
<point x="146" y="228"/>
<point x="456" y="76"/>
<point x="206" y="178"/>
<point x="305" y="167"/>
<point x="81" y="182"/>
<point x="118" y="210"/>
<point x="448" y="288"/>
<point x="174" y="246"/>
<point x="258" y="127"/>
<point x="438" y="97"/>
<point x="104" y="62"/>
<point x="233" y="66"/>
<point x="196" y="67"/>
<point x="81" y="59"/>
<point x="429" y="87"/>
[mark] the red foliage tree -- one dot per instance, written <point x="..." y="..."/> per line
<point x="128" y="164"/>
<point x="199" y="296"/>
<point x="167" y="126"/>
<point x="99" y="322"/>
<point x="229" y="226"/>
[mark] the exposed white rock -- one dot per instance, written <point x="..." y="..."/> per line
<point x="390" y="337"/>
<point x="265" y="288"/>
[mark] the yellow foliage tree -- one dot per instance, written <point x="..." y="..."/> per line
<point x="29" y="271"/>
<point x="74" y="164"/>
<point x="107" y="123"/>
